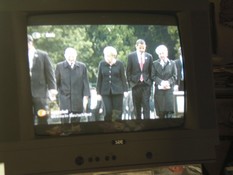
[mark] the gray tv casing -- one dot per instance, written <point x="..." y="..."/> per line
<point x="22" y="152"/>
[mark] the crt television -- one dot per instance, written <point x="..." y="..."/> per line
<point x="188" y="137"/>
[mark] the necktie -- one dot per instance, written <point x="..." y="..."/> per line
<point x="72" y="65"/>
<point x="141" y="66"/>
<point x="141" y="62"/>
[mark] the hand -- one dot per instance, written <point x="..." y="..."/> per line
<point x="101" y="111"/>
<point x="165" y="84"/>
<point x="125" y="94"/>
<point x="99" y="97"/>
<point x="176" y="88"/>
<point x="85" y="102"/>
<point x="52" y="94"/>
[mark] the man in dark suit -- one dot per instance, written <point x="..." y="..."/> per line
<point x="43" y="83"/>
<point x="72" y="84"/>
<point x="139" y="78"/>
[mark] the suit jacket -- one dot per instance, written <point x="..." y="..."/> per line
<point x="111" y="78"/>
<point x="179" y="69"/>
<point x="134" y="71"/>
<point x="168" y="73"/>
<point x="42" y="75"/>
<point x="164" y="98"/>
<point x="73" y="85"/>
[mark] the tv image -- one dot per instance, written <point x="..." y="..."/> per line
<point x="92" y="143"/>
<point x="90" y="41"/>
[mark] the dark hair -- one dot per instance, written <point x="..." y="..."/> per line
<point x="140" y="41"/>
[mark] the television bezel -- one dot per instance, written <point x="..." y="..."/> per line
<point x="23" y="153"/>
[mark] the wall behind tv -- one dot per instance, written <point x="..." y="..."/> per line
<point x="224" y="35"/>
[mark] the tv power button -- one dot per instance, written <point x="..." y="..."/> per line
<point x="79" y="160"/>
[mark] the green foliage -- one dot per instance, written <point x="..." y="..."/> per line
<point x="90" y="40"/>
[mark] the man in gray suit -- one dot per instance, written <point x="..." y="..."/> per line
<point x="139" y="78"/>
<point x="43" y="83"/>
<point x="73" y="85"/>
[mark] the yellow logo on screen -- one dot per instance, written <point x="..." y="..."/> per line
<point x="41" y="113"/>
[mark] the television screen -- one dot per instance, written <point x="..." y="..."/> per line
<point x="74" y="102"/>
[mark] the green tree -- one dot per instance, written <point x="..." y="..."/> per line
<point x="154" y="35"/>
<point x="90" y="40"/>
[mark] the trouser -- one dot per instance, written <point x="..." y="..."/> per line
<point x="113" y="106"/>
<point x="141" y="100"/>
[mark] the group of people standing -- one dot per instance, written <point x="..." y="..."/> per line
<point x="143" y="73"/>
<point x="114" y="81"/>
<point x="69" y="82"/>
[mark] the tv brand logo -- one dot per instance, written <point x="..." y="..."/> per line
<point x="119" y="142"/>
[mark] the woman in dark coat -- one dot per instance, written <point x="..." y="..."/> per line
<point x="111" y="84"/>
<point x="164" y="74"/>
<point x="72" y="84"/>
